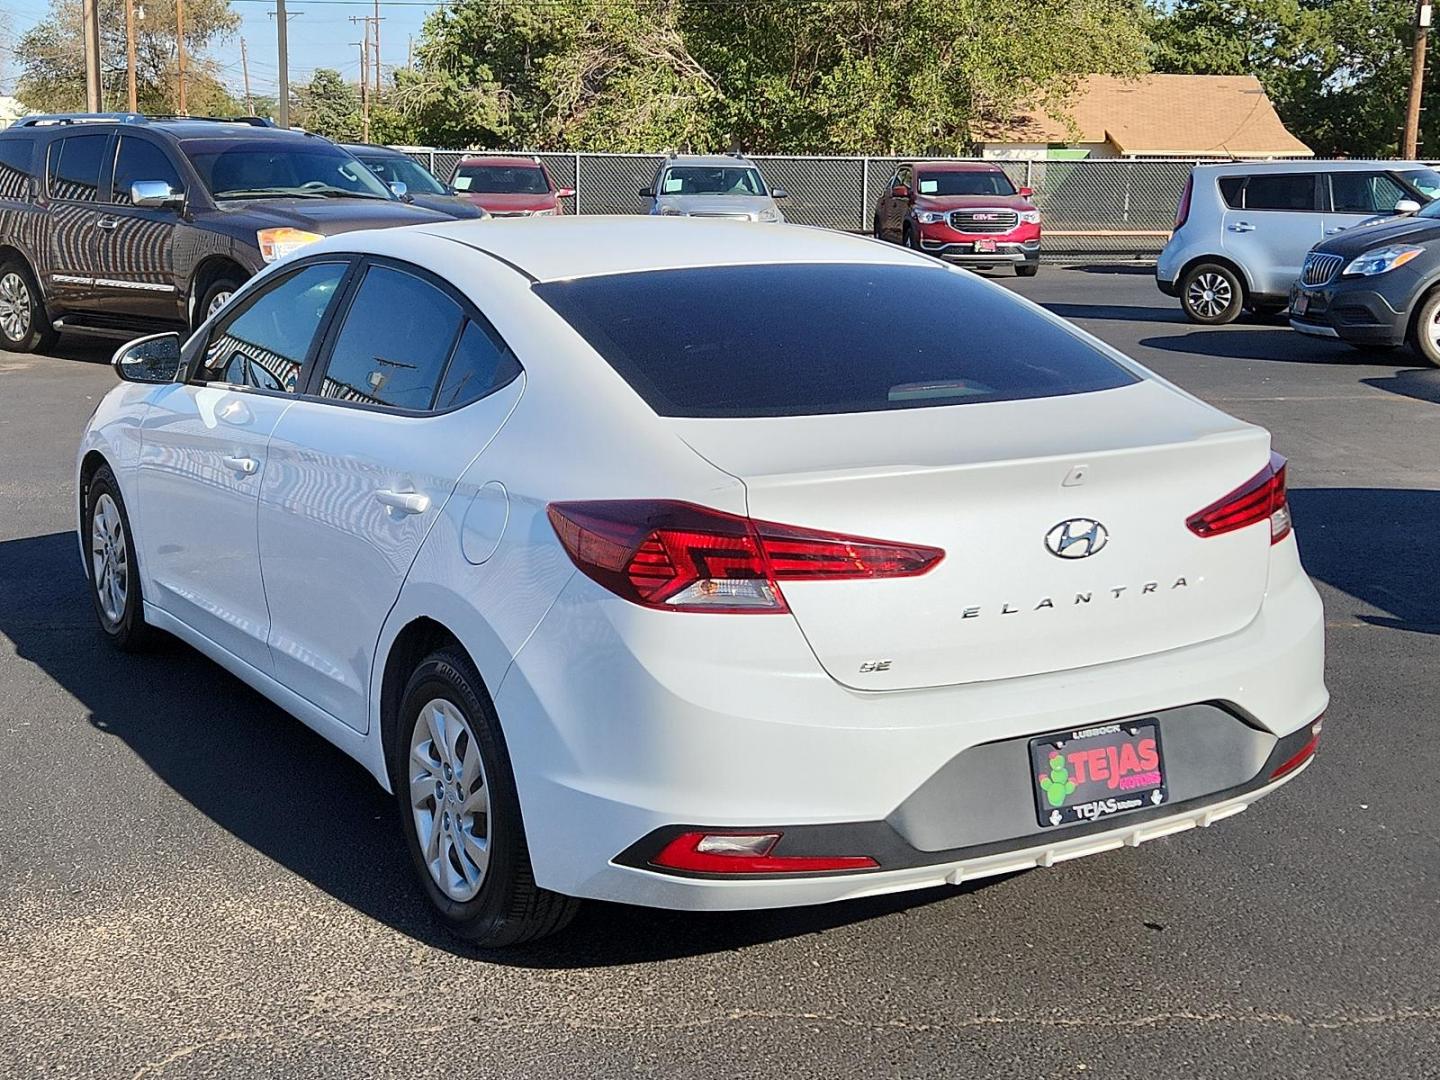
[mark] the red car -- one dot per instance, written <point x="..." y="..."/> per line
<point x="962" y="211"/>
<point x="509" y="186"/>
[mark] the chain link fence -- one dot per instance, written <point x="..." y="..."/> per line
<point x="1116" y="208"/>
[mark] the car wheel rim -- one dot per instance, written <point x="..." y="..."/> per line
<point x="14" y="307"/>
<point x="109" y="558"/>
<point x="450" y="800"/>
<point x="1433" y="331"/>
<point x="218" y="301"/>
<point x="1209" y="295"/>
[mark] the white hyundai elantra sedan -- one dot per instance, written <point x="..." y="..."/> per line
<point x="708" y="565"/>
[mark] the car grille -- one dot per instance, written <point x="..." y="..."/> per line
<point x="1319" y="268"/>
<point x="984" y="221"/>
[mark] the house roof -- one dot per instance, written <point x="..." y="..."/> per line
<point x="1227" y="115"/>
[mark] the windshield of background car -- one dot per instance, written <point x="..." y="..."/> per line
<point x="257" y="169"/>
<point x="502" y="179"/>
<point x="964" y="183"/>
<point x="690" y="343"/>
<point x="1425" y="181"/>
<point x="416" y="179"/>
<point x="704" y="180"/>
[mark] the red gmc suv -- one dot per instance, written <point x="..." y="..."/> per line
<point x="509" y="186"/>
<point x="962" y="211"/>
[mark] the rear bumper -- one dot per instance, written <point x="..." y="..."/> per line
<point x="1166" y="286"/>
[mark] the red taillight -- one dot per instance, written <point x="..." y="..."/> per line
<point x="1183" y="212"/>
<point x="1262" y="497"/>
<point x="747" y="853"/>
<point x="681" y="557"/>
<point x="1304" y="754"/>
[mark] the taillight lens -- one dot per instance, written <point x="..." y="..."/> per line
<point x="1262" y="497"/>
<point x="1183" y="211"/>
<point x="747" y="853"/>
<point x="681" y="557"/>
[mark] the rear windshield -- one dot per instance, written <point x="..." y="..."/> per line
<point x="800" y="340"/>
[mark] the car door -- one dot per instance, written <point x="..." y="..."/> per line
<point x="135" y="245"/>
<point x="360" y="468"/>
<point x="1356" y="196"/>
<point x="72" y="187"/>
<point x="1278" y="222"/>
<point x="203" y="457"/>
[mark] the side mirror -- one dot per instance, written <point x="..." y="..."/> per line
<point x="779" y="193"/>
<point x="399" y="188"/>
<point x="647" y="192"/>
<point x="900" y="191"/>
<point x="1406" y="206"/>
<point x="153" y="359"/>
<point x="565" y="193"/>
<point x="1026" y="192"/>
<point x="155" y="193"/>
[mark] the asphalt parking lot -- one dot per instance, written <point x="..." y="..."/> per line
<point x="195" y="885"/>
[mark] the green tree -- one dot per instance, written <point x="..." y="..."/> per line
<point x="51" y="58"/>
<point x="329" y="106"/>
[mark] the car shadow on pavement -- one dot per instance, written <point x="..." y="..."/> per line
<point x="1116" y="312"/>
<point x="1375" y="545"/>
<point x="1423" y="384"/>
<point x="263" y="777"/>
<point x="1273" y="343"/>
<point x="84" y="350"/>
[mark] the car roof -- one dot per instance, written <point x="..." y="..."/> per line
<point x="1248" y="168"/>
<point x="371" y="150"/>
<point x="509" y="161"/>
<point x="553" y="249"/>
<point x="710" y="161"/>
<point x="955" y="166"/>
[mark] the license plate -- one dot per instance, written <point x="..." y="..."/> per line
<point x="985" y="246"/>
<point x="1095" y="772"/>
<point x="1301" y="304"/>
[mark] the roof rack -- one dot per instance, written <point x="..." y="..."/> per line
<point x="59" y="119"/>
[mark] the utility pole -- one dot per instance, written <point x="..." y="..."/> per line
<point x="180" y="51"/>
<point x="1410" y="147"/>
<point x="90" y="32"/>
<point x="364" y="46"/>
<point x="377" y="51"/>
<point x="132" y="104"/>
<point x="410" y="52"/>
<point x="282" y="44"/>
<point x="245" y="70"/>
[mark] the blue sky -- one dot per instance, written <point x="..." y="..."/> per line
<point x="321" y="35"/>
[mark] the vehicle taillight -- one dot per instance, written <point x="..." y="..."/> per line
<point x="747" y="853"/>
<point x="1183" y="212"/>
<point x="1262" y="497"/>
<point x="1304" y="754"/>
<point x="681" y="557"/>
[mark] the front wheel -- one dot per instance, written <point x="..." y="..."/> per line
<point x="1027" y="270"/>
<point x="214" y="299"/>
<point x="460" y="810"/>
<point x="110" y="565"/>
<point x="1211" y="294"/>
<point x="1426" y="334"/>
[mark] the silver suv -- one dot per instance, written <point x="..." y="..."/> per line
<point x="1242" y="229"/>
<point x="720" y="186"/>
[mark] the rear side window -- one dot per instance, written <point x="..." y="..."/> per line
<point x="1232" y="190"/>
<point x="139" y="159"/>
<point x="15" y="157"/>
<point x="1365" y="193"/>
<point x="798" y="340"/>
<point x="1280" y="191"/>
<point x="482" y="363"/>
<point x="392" y="348"/>
<point x="75" y="166"/>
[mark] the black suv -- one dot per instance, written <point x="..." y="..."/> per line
<point x="121" y="224"/>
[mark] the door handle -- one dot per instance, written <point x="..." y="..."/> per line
<point x="107" y="223"/>
<point x="407" y="502"/>
<point x="246" y="465"/>
<point x="1242" y="226"/>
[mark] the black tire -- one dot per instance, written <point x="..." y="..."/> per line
<point x="1027" y="270"/>
<point x="124" y="625"/>
<point x="509" y="907"/>
<point x="876" y="230"/>
<point x="1212" y="294"/>
<point x="1425" y="331"/>
<point x="20" y="297"/>
<point x="220" y="287"/>
<point x="912" y="239"/>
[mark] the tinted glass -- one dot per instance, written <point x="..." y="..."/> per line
<point x="1426" y="181"/>
<point x="392" y="348"/>
<point x="1365" y="193"/>
<point x="482" y="363"/>
<point x="265" y="343"/>
<point x="141" y="160"/>
<point x="15" y="166"/>
<point x="258" y="169"/>
<point x="413" y="176"/>
<point x="704" y="180"/>
<point x="711" y="341"/>
<point x="1285" y="191"/>
<point x="1232" y="191"/>
<point x="501" y="179"/>
<point x="75" y="166"/>
<point x="964" y="183"/>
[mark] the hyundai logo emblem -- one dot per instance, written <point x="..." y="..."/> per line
<point x="1076" y="538"/>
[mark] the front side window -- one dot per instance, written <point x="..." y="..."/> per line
<point x="707" y="180"/>
<point x="140" y="159"/>
<point x="265" y="343"/>
<point x="1280" y="191"/>
<point x="391" y="350"/>
<point x="501" y="179"/>
<point x="965" y="182"/>
<point x="684" y="343"/>
<point x="1365" y="193"/>
<point x="15" y="167"/>
<point x="75" y="167"/>
<point x="262" y="169"/>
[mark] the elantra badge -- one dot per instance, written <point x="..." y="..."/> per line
<point x="1076" y="538"/>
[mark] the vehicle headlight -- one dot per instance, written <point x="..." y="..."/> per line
<point x="277" y="243"/>
<point x="769" y="214"/>
<point x="542" y="213"/>
<point x="930" y="217"/>
<point x="1029" y="217"/>
<point x="1382" y="260"/>
<point x="670" y="211"/>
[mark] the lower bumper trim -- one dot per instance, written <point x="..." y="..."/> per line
<point x="1314" y="329"/>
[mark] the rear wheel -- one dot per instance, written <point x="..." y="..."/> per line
<point x="24" y="324"/>
<point x="1211" y="294"/>
<point x="461" y="813"/>
<point x="110" y="564"/>
<point x="1426" y="333"/>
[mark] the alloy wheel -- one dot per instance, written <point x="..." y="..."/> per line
<point x="450" y="799"/>
<point x="1209" y="295"/>
<point x="1432" y="331"/>
<point x="109" y="558"/>
<point x="14" y="307"/>
<point x="217" y="302"/>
